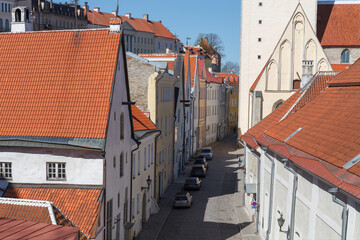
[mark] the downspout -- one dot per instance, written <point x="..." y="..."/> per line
<point x="333" y="191"/>
<point x="244" y="172"/>
<point x="131" y="176"/>
<point x="295" y="184"/>
<point x="271" y="191"/>
<point x="257" y="190"/>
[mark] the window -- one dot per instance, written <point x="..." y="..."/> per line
<point x="1" y="24"/>
<point x="164" y="156"/>
<point x="139" y="160"/>
<point x="121" y="164"/>
<point x="144" y="158"/>
<point x="259" y="56"/>
<point x="138" y="203"/>
<point x="7" y="25"/>
<point x="260" y="21"/>
<point x="5" y="170"/>
<point x="118" y="200"/>
<point x="259" y="39"/>
<point x="2" y="7"/>
<point x="122" y="126"/>
<point x="133" y="167"/>
<point x="277" y="104"/>
<point x="133" y="207"/>
<point x="260" y="4"/>
<point x="159" y="45"/>
<point x="109" y="216"/>
<point x="345" y="56"/>
<point x="152" y="153"/>
<point x="165" y="125"/>
<point x="148" y="155"/>
<point x="114" y="162"/>
<point x="56" y="171"/>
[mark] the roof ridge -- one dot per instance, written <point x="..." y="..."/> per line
<point x="61" y="30"/>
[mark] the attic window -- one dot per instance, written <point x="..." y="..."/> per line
<point x="259" y="39"/>
<point x="259" y="56"/>
<point x="260" y="4"/>
<point x="260" y="21"/>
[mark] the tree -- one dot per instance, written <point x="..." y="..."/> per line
<point x="215" y="44"/>
<point x="229" y="67"/>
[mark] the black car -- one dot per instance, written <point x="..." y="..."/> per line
<point x="198" y="170"/>
<point x="201" y="160"/>
<point x="192" y="183"/>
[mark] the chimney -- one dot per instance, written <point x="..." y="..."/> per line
<point x="210" y="70"/>
<point x="86" y="8"/>
<point x="159" y="21"/>
<point x="168" y="51"/>
<point x="146" y="17"/>
<point x="96" y="9"/>
<point x="51" y="4"/>
<point x="307" y="68"/>
<point x="115" y="25"/>
<point x="20" y="19"/>
<point x="128" y="15"/>
<point x="114" y="13"/>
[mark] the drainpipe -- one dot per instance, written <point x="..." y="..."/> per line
<point x="333" y="191"/>
<point x="271" y="191"/>
<point x="295" y="184"/>
<point x="257" y="190"/>
<point x="244" y="172"/>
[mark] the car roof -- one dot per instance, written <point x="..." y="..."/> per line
<point x="207" y="148"/>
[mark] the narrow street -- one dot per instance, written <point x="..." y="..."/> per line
<point x="212" y="215"/>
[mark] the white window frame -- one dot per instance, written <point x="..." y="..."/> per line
<point x="3" y="173"/>
<point x="56" y="178"/>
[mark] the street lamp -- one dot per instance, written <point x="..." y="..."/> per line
<point x="148" y="181"/>
<point x="281" y="220"/>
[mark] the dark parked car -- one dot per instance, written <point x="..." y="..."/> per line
<point x="201" y="160"/>
<point x="198" y="170"/>
<point x="192" y="183"/>
<point x="207" y="153"/>
<point x="182" y="199"/>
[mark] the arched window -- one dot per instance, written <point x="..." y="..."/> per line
<point x="27" y="18"/>
<point x="277" y="104"/>
<point x="7" y="25"/>
<point x="1" y="25"/>
<point x="17" y="15"/>
<point x="345" y="56"/>
<point x="122" y="126"/>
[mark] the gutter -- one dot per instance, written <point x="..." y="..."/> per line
<point x="333" y="191"/>
<point x="271" y="191"/>
<point x="295" y="184"/>
<point x="257" y="190"/>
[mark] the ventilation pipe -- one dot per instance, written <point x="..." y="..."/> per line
<point x="334" y="191"/>
<point x="295" y="184"/>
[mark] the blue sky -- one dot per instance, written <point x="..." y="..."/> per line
<point x="187" y="18"/>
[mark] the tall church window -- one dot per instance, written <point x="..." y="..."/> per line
<point x="345" y="56"/>
<point x="18" y="15"/>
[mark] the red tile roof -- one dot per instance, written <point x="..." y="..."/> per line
<point x="339" y="24"/>
<point x="201" y="66"/>
<point x="162" y="57"/>
<point x="80" y="205"/>
<point x="25" y="212"/>
<point x="140" y="120"/>
<point x="57" y="84"/>
<point x="326" y="129"/>
<point x="231" y="78"/>
<point x="139" y="24"/>
<point x="197" y="51"/>
<point x="211" y="78"/>
<point x="17" y="229"/>
<point x="339" y="67"/>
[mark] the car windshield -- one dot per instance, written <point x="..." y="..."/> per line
<point x="181" y="198"/>
<point x="189" y="181"/>
<point x="197" y="168"/>
<point x="206" y="150"/>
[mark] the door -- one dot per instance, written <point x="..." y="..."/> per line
<point x="144" y="208"/>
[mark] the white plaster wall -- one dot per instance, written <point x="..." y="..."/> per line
<point x="166" y="43"/>
<point x="115" y="147"/>
<point x="179" y="123"/>
<point x="269" y="31"/>
<point x="139" y="181"/>
<point x="212" y="119"/>
<point x="195" y="111"/>
<point x="29" y="165"/>
<point x="334" y="54"/>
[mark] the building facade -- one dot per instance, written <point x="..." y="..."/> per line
<point x="202" y="105"/>
<point x="5" y="15"/>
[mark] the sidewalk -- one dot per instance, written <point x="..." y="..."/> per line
<point x="153" y="226"/>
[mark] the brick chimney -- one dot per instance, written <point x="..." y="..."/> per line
<point x="96" y="9"/>
<point x="115" y="25"/>
<point x="114" y="13"/>
<point x="128" y="15"/>
<point x="146" y="17"/>
<point x="307" y="74"/>
<point x="86" y="8"/>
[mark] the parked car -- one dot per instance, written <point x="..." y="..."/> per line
<point x="201" y="160"/>
<point x="182" y="199"/>
<point x="198" y="170"/>
<point x="192" y="183"/>
<point x="207" y="153"/>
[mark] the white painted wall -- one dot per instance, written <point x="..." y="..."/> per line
<point x="195" y="110"/>
<point x="212" y="111"/>
<point x="161" y="44"/>
<point x="29" y="165"/>
<point x="269" y="31"/>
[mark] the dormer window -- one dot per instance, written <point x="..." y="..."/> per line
<point x="17" y="15"/>
<point x="345" y="56"/>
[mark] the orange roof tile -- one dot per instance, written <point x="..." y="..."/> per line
<point x="211" y="78"/>
<point x="57" y="84"/>
<point x="192" y="60"/>
<point x="80" y="205"/>
<point x="139" y="24"/>
<point x="231" y="78"/>
<point x="339" y="24"/>
<point x="201" y="65"/>
<point x="162" y="57"/>
<point x="197" y="51"/>
<point x="140" y="120"/>
<point x="17" y="229"/>
<point x="25" y="212"/>
<point x="350" y="76"/>
<point x="339" y="67"/>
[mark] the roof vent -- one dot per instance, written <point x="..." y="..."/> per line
<point x="146" y="17"/>
<point x="96" y="9"/>
<point x="128" y="15"/>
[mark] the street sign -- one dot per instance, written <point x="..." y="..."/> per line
<point x="254" y="204"/>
